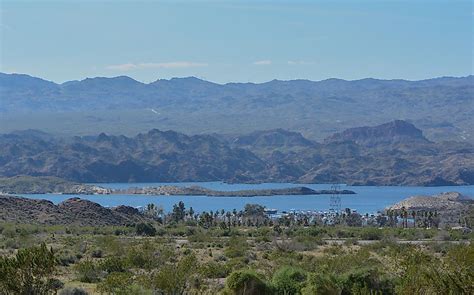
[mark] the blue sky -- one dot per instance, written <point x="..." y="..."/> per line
<point x="241" y="41"/>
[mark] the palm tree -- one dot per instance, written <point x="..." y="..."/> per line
<point x="191" y="212"/>
<point x="405" y="217"/>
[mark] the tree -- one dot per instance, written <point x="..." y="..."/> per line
<point x="151" y="210"/>
<point x="30" y="271"/>
<point x="413" y="215"/>
<point x="191" y="212"/>
<point x="179" y="212"/>
<point x="254" y="213"/>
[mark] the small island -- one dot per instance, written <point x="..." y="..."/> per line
<point x="54" y="185"/>
<point x="201" y="191"/>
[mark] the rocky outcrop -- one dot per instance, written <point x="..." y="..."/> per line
<point x="450" y="201"/>
<point x="73" y="211"/>
<point x="395" y="132"/>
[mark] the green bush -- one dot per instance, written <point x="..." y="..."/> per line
<point x="236" y="247"/>
<point x="87" y="272"/>
<point x="174" y="278"/>
<point x="214" y="270"/>
<point x="289" y="280"/>
<point x="113" y="264"/>
<point x="323" y="284"/>
<point x="364" y="281"/>
<point x="120" y="283"/>
<point x="145" y="229"/>
<point x="247" y="282"/>
<point x="143" y="256"/>
<point x="30" y="271"/>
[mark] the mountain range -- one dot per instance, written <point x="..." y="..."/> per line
<point x="442" y="107"/>
<point x="393" y="153"/>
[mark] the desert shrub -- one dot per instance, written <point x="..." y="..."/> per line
<point x="288" y="280"/>
<point x="145" y="229"/>
<point x="30" y="271"/>
<point x="318" y="283"/>
<point x="174" y="278"/>
<point x="199" y="236"/>
<point x="236" y="247"/>
<point x="247" y="282"/>
<point x="459" y="267"/>
<point x="73" y="291"/>
<point x="143" y="256"/>
<point x="66" y="259"/>
<point x="351" y="242"/>
<point x="365" y="280"/>
<point x="97" y="253"/>
<point x="342" y="234"/>
<point x="371" y="233"/>
<point x="120" y="283"/>
<point x="113" y="264"/>
<point x="87" y="272"/>
<point x="306" y="243"/>
<point x="110" y="245"/>
<point x="421" y="272"/>
<point x="315" y="231"/>
<point x="214" y="270"/>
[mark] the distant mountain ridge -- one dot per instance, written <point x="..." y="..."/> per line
<point x="395" y="153"/>
<point x="442" y="107"/>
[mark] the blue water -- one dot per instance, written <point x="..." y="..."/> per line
<point x="369" y="199"/>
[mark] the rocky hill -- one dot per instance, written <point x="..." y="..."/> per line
<point x="396" y="153"/>
<point x="450" y="201"/>
<point x="442" y="107"/>
<point x="72" y="211"/>
<point x="396" y="132"/>
<point x="23" y="184"/>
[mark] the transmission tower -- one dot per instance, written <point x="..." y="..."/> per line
<point x="335" y="199"/>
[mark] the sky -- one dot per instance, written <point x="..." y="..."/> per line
<point x="237" y="41"/>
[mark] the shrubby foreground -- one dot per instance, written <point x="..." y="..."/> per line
<point x="186" y="256"/>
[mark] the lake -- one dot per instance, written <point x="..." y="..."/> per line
<point x="369" y="199"/>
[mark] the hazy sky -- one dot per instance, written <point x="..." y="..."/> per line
<point x="241" y="41"/>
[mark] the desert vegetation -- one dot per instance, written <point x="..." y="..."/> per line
<point x="176" y="254"/>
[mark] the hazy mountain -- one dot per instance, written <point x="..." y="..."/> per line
<point x="395" y="153"/>
<point x="442" y="107"/>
